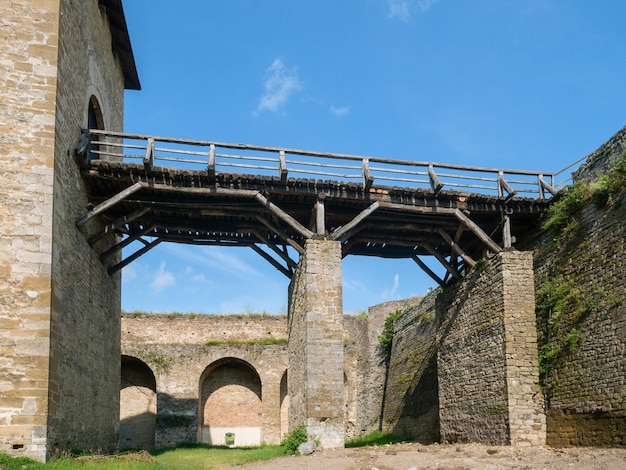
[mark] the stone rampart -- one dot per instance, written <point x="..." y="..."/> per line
<point x="581" y="306"/>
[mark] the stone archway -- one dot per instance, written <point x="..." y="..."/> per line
<point x="138" y="405"/>
<point x="230" y="404"/>
<point x="284" y="406"/>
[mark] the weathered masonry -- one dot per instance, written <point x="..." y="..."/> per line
<point x="75" y="190"/>
<point x="63" y="67"/>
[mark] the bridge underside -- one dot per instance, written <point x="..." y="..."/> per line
<point x="270" y="214"/>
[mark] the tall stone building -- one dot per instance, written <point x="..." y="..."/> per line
<point x="64" y="65"/>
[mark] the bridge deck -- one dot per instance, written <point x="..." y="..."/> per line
<point x="179" y="203"/>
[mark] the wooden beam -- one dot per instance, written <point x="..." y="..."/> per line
<point x="281" y="214"/>
<point x="343" y="233"/>
<point x="320" y="224"/>
<point x="272" y="261"/>
<point x="435" y="184"/>
<point x="282" y="166"/>
<point x="96" y="237"/>
<point x="449" y="268"/>
<point x="428" y="271"/>
<point x="483" y="237"/>
<point x="417" y="209"/>
<point x="281" y="234"/>
<point x="368" y="179"/>
<point x="506" y="232"/>
<point x="275" y="249"/>
<point x="456" y="248"/>
<point x="127" y="241"/>
<point x="504" y="186"/>
<point x="211" y="165"/>
<point x="108" y="203"/>
<point x="543" y="185"/>
<point x="148" y="159"/>
<point x="134" y="256"/>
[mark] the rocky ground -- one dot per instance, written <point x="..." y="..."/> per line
<point x="410" y="456"/>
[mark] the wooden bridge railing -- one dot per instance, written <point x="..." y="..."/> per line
<point x="215" y="157"/>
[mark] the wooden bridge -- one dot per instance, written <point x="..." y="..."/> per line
<point x="153" y="189"/>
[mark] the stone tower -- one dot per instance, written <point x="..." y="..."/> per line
<point x="64" y="65"/>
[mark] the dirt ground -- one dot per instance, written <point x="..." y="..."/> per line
<point x="410" y="456"/>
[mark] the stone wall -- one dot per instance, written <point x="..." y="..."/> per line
<point x="59" y="308"/>
<point x="316" y="375"/>
<point x="463" y="365"/>
<point x="581" y="299"/>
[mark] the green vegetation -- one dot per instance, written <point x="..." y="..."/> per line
<point x="601" y="193"/>
<point x="375" y="438"/>
<point x="292" y="440"/>
<point x="386" y="337"/>
<point x="238" y="342"/>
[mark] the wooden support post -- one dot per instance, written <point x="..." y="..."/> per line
<point x="275" y="249"/>
<point x="486" y="239"/>
<point x="96" y="237"/>
<point x="344" y="232"/>
<point x="282" y="167"/>
<point x="281" y="234"/>
<point x="504" y="186"/>
<point x="281" y="214"/>
<point x="211" y="165"/>
<point x="127" y="241"/>
<point x="506" y="232"/>
<point x="320" y="224"/>
<point x="368" y="179"/>
<point x="271" y="260"/>
<point x="428" y="271"/>
<point x="435" y="184"/>
<point x="148" y="159"/>
<point x="543" y="185"/>
<point x="449" y="268"/>
<point x="108" y="203"/>
<point x="456" y="248"/>
<point x="134" y="256"/>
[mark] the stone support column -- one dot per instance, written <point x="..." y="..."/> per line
<point x="487" y="358"/>
<point x="316" y="376"/>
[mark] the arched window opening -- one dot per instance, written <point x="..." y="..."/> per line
<point x="138" y="405"/>
<point x="230" y="404"/>
<point x="94" y="121"/>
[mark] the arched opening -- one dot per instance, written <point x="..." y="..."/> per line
<point x="284" y="406"/>
<point x="138" y="405"/>
<point x="230" y="404"/>
<point x="94" y="121"/>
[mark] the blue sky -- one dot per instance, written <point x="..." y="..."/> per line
<point x="532" y="84"/>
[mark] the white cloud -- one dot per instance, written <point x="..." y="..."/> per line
<point x="401" y="9"/>
<point x="162" y="279"/>
<point x="280" y="84"/>
<point x="391" y="293"/>
<point x="129" y="273"/>
<point x="339" y="111"/>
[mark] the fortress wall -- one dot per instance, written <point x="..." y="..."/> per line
<point x="28" y="78"/>
<point x="583" y="344"/>
<point x="412" y="405"/>
<point x="85" y="299"/>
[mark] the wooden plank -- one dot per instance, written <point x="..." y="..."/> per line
<point x="281" y="234"/>
<point x="504" y="186"/>
<point x="428" y="271"/>
<point x="211" y="165"/>
<point x="343" y="233"/>
<point x="272" y="261"/>
<point x="108" y="203"/>
<point x="543" y="185"/>
<point x="456" y="248"/>
<point x="482" y="236"/>
<point x="281" y="214"/>
<point x="148" y="160"/>
<point x="134" y="256"/>
<point x="96" y="237"/>
<point x="416" y="209"/>
<point x="506" y="232"/>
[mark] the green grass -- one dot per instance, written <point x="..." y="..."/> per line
<point x="375" y="438"/>
<point x="184" y="457"/>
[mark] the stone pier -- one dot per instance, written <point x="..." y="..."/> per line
<point x="316" y="376"/>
